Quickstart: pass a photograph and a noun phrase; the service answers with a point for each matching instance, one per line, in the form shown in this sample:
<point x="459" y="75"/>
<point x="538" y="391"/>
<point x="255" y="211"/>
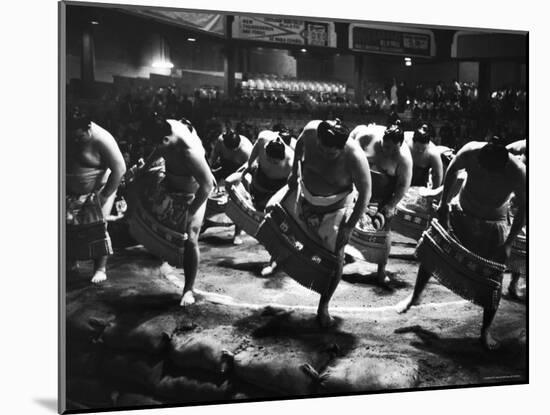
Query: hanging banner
<point x="208" y="22"/>
<point x="285" y="31"/>
<point x="390" y="40"/>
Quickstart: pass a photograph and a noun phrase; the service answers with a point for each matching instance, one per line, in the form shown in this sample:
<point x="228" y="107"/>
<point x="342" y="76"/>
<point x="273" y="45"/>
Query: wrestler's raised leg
<point x="422" y="279"/>
<point x="100" y="264"/>
<point x="323" y="317"/>
<point x="269" y="269"/>
<point x="487" y="340"/>
<point x="191" y="256"/>
<point x="237" y="236"/>
<point x="382" y="279"/>
<point x="100" y="270"/>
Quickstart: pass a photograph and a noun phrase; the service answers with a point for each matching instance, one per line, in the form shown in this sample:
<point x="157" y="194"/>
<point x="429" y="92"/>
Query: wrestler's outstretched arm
<point x="458" y="163"/>
<point x="114" y="160"/>
<point x="360" y="172"/>
<point x="201" y="172"/>
<point x="298" y="157"/>
<point x="361" y="177"/>
<point x="436" y="165"/>
<point x="216" y="152"/>
<point x="247" y="146"/>
<point x="404" y="177"/>
<point x="255" y="153"/>
<point x="519" y="191"/>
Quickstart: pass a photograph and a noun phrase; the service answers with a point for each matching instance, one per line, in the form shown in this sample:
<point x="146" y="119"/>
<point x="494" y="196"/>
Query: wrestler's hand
<point x="388" y="211"/>
<point x="344" y="235"/>
<point x="443" y="215"/>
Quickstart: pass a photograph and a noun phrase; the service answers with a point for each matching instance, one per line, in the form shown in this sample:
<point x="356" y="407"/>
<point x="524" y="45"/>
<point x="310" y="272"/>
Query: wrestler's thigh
<point x="195" y="223"/>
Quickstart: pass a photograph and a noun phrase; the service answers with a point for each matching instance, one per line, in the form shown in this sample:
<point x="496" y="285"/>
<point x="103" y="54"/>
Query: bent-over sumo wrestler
<point x="416" y="208"/>
<point x="95" y="167"/>
<point x="518" y="149"/>
<point x="270" y="165"/>
<point x="478" y="219"/>
<point x="230" y="152"/>
<point x="313" y="218"/>
<point x="168" y="204"/>
<point x="426" y="159"/>
<point x="390" y="164"/>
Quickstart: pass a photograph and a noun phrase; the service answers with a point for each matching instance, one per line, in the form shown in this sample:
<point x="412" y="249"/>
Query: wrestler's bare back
<point x="324" y="176"/>
<point x="187" y="148"/>
<point x="239" y="155"/>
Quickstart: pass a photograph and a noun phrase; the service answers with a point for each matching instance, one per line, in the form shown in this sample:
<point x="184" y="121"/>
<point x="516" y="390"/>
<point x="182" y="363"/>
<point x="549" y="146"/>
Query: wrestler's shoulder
<point x="434" y="151"/>
<point x="473" y="146"/>
<point x="358" y="131"/>
<point x="246" y="141"/>
<point x="517" y="166"/>
<point x="353" y="150"/>
<point x="312" y="125"/>
<point x="100" y="133"/>
<point x="266" y="135"/>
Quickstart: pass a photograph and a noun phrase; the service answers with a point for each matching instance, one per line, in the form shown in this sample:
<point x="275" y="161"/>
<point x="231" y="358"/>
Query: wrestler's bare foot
<point x="514" y="293"/>
<point x="324" y="319"/>
<point x="382" y="279"/>
<point x="488" y="341"/>
<point x="404" y="305"/>
<point x="270" y="269"/>
<point x="99" y="276"/>
<point x="187" y="299"/>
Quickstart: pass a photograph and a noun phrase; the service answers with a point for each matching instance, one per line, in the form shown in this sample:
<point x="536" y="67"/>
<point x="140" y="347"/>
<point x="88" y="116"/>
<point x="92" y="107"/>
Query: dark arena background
<point x="253" y="335"/>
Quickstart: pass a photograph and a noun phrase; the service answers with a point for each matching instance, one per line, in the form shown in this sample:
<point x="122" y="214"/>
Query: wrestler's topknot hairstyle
<point x="333" y="133"/>
<point x="394" y="133"/>
<point x="422" y="135"/>
<point x="284" y="133"/>
<point x="493" y="155"/>
<point x="188" y="124"/>
<point x="156" y="127"/>
<point x="231" y="139"/>
<point x="276" y="149"/>
<point x="77" y="119"/>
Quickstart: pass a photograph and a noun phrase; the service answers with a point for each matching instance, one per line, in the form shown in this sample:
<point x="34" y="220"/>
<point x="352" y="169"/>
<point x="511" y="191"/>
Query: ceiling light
<point x="163" y="65"/>
<point x="303" y="50"/>
<point x="94" y="22"/>
<point x="191" y="39"/>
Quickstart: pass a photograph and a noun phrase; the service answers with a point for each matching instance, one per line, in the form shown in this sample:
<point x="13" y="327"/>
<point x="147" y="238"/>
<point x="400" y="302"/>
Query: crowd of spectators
<point x="455" y="111"/>
<point x="456" y="107"/>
